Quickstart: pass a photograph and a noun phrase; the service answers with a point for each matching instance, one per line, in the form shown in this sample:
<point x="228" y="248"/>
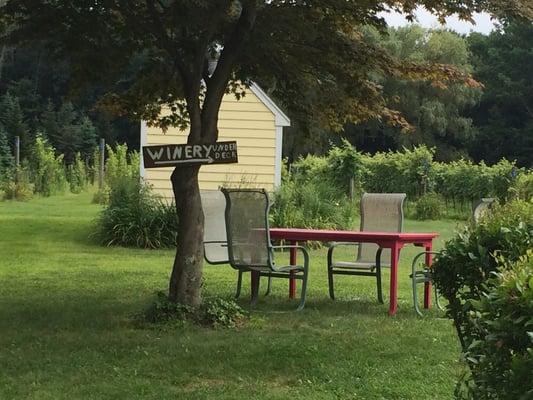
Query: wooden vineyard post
<point x="102" y="161"/>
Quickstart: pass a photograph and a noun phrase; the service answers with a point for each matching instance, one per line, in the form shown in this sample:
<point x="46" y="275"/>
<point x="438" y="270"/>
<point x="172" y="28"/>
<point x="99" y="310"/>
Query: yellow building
<point x="255" y="122"/>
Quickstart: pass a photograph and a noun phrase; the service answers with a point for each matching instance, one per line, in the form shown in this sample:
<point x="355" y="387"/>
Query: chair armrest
<point x="333" y="245"/>
<point x="301" y="248"/>
<point x="216" y="241"/>
<point x="424" y="253"/>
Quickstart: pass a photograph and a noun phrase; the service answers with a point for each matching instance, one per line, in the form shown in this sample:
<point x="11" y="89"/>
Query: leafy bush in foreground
<point x="501" y="355"/>
<point x="464" y="273"/>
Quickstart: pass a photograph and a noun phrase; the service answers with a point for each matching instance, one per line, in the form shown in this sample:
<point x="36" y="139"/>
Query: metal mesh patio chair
<point x="422" y="273"/>
<point x="215" y="242"/>
<point x="380" y="212"/>
<point x="481" y="207"/>
<point x="249" y="247"/>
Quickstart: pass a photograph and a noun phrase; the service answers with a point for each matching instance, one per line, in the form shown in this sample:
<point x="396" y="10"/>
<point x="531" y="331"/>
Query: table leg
<point x="292" y="281"/>
<point x="254" y="276"/>
<point x="395" y="255"/>
<point x="427" y="285"/>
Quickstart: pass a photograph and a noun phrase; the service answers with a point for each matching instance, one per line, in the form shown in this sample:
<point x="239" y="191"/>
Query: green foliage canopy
<point x="503" y="61"/>
<point x="167" y="45"/>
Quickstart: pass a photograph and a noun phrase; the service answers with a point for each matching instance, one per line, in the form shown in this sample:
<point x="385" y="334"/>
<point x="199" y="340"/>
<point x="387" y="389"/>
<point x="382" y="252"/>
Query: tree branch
<point x="219" y="80"/>
<point x="168" y="45"/>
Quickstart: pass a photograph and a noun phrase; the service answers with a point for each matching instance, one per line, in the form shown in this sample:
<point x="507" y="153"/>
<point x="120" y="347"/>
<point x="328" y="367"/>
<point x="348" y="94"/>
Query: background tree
<point x="40" y="80"/>
<point x="6" y="157"/>
<point x="503" y="61"/>
<point x="437" y="114"/>
<point x="292" y="47"/>
<point x="14" y="122"/>
<point x="69" y="132"/>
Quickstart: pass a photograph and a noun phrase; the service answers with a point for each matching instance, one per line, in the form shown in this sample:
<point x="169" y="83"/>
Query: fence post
<point x="102" y="161"/>
<point x="352" y="188"/>
<point x="17" y="151"/>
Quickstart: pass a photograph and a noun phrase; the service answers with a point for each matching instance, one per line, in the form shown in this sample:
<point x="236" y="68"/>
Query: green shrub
<point x="121" y="164"/>
<point x="220" y="313"/>
<point x="163" y="311"/>
<point x="468" y="259"/>
<point x="429" y="206"/>
<point x="313" y="204"/>
<point x="215" y="313"/>
<point x="7" y="161"/>
<point x="522" y="188"/>
<point x="77" y="175"/>
<point x="503" y="174"/>
<point x="500" y="356"/>
<point x="18" y="187"/>
<point x="135" y="217"/>
<point x="47" y="171"/>
<point x="308" y="168"/>
<point x="464" y="269"/>
<point x="344" y="164"/>
<point x="410" y="171"/>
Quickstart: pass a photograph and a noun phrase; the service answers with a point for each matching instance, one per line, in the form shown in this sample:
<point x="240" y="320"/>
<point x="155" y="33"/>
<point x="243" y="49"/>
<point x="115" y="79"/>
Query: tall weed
<point x="47" y="170"/>
<point x="77" y="175"/>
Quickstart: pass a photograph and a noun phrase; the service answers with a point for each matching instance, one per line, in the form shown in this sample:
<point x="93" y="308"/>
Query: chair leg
<point x="304" y="291"/>
<point x="378" y="284"/>
<point x="330" y="274"/>
<point x="269" y="287"/>
<point x="239" y="284"/>
<point x="256" y="280"/>
<point x="330" y="283"/>
<point x="414" y="282"/>
<point x="415" y="296"/>
<point x="437" y="302"/>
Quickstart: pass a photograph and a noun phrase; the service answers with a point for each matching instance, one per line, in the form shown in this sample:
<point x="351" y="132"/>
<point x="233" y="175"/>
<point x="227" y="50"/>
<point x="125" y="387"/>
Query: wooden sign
<point x="186" y="154"/>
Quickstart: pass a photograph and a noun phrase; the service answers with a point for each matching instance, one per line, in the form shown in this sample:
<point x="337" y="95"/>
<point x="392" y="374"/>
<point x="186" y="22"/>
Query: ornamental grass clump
<point x="135" y="217"/>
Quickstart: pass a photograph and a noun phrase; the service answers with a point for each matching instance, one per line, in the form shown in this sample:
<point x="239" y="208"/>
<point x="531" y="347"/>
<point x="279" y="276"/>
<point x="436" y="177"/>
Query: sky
<point x="427" y="20"/>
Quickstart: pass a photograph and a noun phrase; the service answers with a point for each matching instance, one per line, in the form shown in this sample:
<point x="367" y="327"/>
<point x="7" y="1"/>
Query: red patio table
<point x="388" y="240"/>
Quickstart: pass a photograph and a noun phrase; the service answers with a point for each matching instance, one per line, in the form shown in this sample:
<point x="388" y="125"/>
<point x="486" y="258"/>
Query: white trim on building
<point x="144" y="140"/>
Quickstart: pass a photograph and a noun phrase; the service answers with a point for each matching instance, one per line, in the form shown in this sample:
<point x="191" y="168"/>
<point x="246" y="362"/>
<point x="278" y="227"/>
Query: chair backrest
<point x="215" y="242"/>
<point x="247" y="227"/>
<point x="380" y="212"/>
<point x="481" y="207"/>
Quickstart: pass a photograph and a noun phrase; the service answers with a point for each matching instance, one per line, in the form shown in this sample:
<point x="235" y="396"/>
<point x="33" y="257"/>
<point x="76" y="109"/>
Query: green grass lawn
<point x="66" y="328"/>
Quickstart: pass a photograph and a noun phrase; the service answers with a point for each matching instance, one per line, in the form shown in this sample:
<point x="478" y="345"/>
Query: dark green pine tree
<point x="14" y="122"/>
<point x="87" y="137"/>
<point x="6" y="158"/>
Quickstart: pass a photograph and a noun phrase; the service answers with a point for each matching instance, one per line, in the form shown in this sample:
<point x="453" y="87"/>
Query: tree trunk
<point x="186" y="277"/>
<point x="2" y="55"/>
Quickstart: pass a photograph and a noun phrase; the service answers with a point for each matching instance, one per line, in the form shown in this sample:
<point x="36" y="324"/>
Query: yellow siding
<point x="252" y="125"/>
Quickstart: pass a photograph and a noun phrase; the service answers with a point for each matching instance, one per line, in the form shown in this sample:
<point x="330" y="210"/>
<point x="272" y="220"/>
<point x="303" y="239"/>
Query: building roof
<point x="281" y="118"/>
